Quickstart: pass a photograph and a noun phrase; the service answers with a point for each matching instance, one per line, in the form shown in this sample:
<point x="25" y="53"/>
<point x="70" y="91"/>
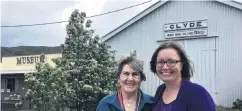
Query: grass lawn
<point x="218" y="108"/>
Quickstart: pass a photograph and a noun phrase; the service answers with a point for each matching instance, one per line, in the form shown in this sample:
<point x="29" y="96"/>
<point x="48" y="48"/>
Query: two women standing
<point x="170" y="63"/>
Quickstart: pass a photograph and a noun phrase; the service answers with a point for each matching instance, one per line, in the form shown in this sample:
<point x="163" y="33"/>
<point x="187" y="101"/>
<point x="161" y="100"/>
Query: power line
<point x="86" y="17"/>
<point x="33" y="24"/>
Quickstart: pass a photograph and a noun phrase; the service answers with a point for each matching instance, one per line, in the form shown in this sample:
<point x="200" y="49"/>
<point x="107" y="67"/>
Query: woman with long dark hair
<point x="171" y="64"/>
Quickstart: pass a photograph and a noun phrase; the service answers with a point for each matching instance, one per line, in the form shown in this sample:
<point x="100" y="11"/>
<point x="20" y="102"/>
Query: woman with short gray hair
<point x="129" y="97"/>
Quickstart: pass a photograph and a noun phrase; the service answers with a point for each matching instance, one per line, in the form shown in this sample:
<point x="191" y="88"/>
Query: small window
<point x="10" y="85"/>
<point x="3" y="85"/>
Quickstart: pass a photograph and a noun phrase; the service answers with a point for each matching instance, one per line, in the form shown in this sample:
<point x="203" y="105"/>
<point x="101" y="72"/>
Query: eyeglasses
<point x="170" y="63"/>
<point x="125" y="75"/>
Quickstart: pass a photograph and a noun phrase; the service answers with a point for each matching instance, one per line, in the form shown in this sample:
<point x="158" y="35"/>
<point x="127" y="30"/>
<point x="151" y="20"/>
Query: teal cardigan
<point x="111" y="103"/>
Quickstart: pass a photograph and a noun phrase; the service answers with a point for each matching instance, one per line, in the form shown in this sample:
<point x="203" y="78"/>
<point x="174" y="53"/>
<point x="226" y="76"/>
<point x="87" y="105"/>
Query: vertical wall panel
<point x="223" y="21"/>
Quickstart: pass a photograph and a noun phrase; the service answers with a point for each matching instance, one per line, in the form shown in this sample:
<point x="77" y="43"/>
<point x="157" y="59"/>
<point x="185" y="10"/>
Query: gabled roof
<point x="234" y="4"/>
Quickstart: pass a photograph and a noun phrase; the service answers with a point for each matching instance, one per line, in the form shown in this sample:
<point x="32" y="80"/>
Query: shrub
<point x="237" y="104"/>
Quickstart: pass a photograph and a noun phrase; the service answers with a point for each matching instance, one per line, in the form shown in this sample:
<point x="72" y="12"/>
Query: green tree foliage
<point x="85" y="71"/>
<point x="89" y="62"/>
<point x="237" y="104"/>
<point x="47" y="88"/>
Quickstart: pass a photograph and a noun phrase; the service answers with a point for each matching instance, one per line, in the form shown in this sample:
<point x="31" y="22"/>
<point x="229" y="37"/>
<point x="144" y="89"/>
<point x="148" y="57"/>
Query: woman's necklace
<point x="129" y="104"/>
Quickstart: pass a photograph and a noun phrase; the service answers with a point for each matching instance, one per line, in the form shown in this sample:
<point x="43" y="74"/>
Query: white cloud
<point x="91" y="7"/>
<point x="105" y="24"/>
<point x="42" y="11"/>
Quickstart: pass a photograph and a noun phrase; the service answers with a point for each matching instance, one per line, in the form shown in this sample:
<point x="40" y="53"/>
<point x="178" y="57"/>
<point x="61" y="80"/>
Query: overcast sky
<point x="20" y="12"/>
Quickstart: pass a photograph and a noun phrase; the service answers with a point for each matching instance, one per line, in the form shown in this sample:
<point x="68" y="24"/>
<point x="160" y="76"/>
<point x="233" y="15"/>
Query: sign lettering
<point x="187" y="33"/>
<point x="186" y="25"/>
<point x="29" y="60"/>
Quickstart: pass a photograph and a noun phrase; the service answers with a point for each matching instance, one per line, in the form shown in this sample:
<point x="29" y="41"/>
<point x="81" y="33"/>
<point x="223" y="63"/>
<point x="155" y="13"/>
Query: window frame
<point x="6" y="83"/>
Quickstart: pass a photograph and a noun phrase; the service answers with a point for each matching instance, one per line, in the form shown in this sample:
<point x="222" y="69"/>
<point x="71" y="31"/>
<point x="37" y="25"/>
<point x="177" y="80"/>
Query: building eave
<point x="109" y="35"/>
<point x="132" y="20"/>
<point x="17" y="72"/>
<point x="234" y="4"/>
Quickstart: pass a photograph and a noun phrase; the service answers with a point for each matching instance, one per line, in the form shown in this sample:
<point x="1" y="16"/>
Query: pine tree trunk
<point x="86" y="105"/>
<point x="77" y="106"/>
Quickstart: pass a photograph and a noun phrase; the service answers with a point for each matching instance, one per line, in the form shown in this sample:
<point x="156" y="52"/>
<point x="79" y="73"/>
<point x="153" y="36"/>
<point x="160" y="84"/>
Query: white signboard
<point x="186" y="33"/>
<point x="186" y="25"/>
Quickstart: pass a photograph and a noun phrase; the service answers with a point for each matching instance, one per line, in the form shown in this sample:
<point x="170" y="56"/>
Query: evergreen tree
<point x="82" y="75"/>
<point x="47" y="88"/>
<point x="88" y="61"/>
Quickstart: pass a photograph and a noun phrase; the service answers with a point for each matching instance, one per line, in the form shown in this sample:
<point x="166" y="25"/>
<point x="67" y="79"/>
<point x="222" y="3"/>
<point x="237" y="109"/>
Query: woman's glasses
<point x="170" y="63"/>
<point x="125" y="75"/>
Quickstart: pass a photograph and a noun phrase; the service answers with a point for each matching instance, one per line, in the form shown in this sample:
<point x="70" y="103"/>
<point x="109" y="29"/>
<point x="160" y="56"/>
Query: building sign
<point x="187" y="33"/>
<point x="186" y="25"/>
<point x="186" y="29"/>
<point x="29" y="60"/>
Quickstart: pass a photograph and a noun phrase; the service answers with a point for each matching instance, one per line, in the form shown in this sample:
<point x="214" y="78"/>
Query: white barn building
<point x="210" y="31"/>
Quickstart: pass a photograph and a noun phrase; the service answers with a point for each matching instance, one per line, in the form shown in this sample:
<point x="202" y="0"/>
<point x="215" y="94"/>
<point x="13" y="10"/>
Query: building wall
<point x="12" y="69"/>
<point x="10" y="63"/>
<point x="19" y="89"/>
<point x="229" y="53"/>
<point x="224" y="23"/>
